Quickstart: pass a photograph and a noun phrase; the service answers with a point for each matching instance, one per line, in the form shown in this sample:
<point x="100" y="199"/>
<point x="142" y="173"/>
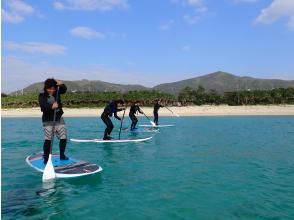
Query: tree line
<point x="200" y="96"/>
<point x="187" y="96"/>
<point x="91" y="99"/>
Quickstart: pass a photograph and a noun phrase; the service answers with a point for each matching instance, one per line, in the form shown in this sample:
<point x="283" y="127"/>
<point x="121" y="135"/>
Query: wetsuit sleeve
<point x="139" y="110"/>
<point x="44" y="105"/>
<point x="116" y="116"/>
<point x="62" y="89"/>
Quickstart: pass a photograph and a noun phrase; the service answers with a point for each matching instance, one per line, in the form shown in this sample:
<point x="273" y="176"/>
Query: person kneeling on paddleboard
<point x="133" y="111"/>
<point x="48" y="104"/>
<point x="157" y="106"/>
<point x="111" y="109"/>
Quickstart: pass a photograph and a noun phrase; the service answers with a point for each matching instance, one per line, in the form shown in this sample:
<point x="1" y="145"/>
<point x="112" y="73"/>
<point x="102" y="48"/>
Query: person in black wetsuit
<point x="157" y="106"/>
<point x="133" y="111"/>
<point x="47" y="102"/>
<point x="111" y="109"/>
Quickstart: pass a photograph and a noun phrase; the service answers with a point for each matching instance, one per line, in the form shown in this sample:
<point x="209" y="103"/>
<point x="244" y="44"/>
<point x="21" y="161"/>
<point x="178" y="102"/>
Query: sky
<point x="144" y="42"/>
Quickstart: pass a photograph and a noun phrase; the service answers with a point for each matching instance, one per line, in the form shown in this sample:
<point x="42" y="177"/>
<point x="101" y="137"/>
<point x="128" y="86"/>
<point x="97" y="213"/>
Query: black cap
<point x="49" y="83"/>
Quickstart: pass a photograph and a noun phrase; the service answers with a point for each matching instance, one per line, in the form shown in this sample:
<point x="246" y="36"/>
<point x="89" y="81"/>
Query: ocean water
<point x="204" y="168"/>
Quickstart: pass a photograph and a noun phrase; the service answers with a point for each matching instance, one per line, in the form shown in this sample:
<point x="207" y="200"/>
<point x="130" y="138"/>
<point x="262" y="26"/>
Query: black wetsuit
<point x="110" y="110"/>
<point x="157" y="106"/>
<point x="133" y="111"/>
<point x="46" y="105"/>
<point x="45" y="102"/>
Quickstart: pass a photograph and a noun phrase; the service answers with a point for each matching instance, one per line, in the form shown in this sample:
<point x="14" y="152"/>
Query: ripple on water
<point x="204" y="168"/>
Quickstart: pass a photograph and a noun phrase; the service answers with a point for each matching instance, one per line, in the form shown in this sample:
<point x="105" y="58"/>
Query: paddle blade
<point x="49" y="172"/>
<point x="153" y="124"/>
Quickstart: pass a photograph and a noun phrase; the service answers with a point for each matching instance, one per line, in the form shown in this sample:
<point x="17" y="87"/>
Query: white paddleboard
<point x="141" y="130"/>
<point x="156" y="126"/>
<point x="64" y="168"/>
<point x="110" y="141"/>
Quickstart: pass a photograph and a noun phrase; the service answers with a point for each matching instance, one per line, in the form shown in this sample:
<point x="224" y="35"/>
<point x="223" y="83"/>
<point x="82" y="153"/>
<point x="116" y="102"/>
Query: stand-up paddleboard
<point x="144" y="130"/>
<point x="156" y="126"/>
<point x="110" y="141"/>
<point x="141" y="130"/>
<point x="64" y="168"/>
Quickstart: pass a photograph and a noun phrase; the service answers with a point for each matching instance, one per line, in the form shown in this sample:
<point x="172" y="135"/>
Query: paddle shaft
<point x="121" y="123"/>
<point x="145" y="115"/>
<point x="170" y="110"/>
<point x="54" y="122"/>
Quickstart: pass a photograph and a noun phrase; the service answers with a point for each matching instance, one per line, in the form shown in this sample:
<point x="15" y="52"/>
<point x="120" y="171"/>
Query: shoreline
<point x="205" y="110"/>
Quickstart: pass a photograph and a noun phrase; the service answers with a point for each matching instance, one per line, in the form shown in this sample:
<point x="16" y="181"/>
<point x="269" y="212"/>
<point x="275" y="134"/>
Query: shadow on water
<point x="23" y="202"/>
<point x="44" y="196"/>
<point x="17" y="202"/>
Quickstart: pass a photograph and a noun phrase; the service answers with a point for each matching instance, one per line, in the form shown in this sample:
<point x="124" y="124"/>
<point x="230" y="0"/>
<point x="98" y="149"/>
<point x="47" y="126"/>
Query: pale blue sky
<point x="145" y="41"/>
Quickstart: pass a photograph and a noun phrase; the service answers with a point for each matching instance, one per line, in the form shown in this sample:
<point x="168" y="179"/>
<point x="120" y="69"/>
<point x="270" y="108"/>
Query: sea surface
<point x="204" y="168"/>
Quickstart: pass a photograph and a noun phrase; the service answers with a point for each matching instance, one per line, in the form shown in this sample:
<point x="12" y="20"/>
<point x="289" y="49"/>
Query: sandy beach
<point x="182" y="111"/>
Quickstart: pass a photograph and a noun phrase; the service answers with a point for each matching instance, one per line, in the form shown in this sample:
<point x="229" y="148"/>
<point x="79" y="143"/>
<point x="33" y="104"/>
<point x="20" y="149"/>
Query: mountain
<point x="86" y="86"/>
<point x="224" y="82"/>
<point x="218" y="81"/>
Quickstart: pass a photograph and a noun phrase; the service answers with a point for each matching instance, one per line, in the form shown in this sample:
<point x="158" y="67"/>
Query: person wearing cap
<point x="110" y="110"/>
<point x="157" y="106"/>
<point x="49" y="102"/>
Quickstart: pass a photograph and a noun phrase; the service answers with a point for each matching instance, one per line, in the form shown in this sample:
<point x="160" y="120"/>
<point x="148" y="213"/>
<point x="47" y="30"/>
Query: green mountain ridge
<point x="219" y="81"/>
<point x="85" y="86"/>
<point x="225" y="82"/>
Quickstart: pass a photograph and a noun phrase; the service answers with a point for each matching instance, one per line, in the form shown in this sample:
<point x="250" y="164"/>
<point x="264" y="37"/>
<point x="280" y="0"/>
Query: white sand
<point x="182" y="111"/>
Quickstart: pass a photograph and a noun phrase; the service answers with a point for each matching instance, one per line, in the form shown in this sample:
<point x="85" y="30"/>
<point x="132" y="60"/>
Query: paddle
<point x="121" y="123"/>
<point x="172" y="111"/>
<point x="49" y="172"/>
<point x="153" y="124"/>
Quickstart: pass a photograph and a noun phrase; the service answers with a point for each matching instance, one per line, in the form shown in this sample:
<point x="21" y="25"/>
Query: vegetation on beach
<point x="89" y="99"/>
<point x="200" y="96"/>
<point x="187" y="96"/>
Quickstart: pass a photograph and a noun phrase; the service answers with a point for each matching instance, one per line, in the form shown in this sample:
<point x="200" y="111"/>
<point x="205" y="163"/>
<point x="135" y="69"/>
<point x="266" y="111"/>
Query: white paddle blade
<point x="49" y="172"/>
<point x="153" y="124"/>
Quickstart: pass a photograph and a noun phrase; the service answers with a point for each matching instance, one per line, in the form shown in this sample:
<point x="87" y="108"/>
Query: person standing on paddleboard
<point x="157" y="106"/>
<point x="111" y="109"/>
<point x="48" y="103"/>
<point x="133" y="111"/>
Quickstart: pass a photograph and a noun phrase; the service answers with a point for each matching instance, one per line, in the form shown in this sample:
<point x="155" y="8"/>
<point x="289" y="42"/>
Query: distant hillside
<point x="223" y="82"/>
<point x="86" y="86"/>
<point x="218" y="81"/>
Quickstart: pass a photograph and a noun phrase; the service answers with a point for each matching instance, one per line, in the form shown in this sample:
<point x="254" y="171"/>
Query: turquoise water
<point x="204" y="168"/>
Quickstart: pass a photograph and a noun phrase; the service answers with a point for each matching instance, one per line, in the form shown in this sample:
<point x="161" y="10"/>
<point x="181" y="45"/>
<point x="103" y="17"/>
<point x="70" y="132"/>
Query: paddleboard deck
<point x="110" y="141"/>
<point x="64" y="168"/>
<point x="156" y="126"/>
